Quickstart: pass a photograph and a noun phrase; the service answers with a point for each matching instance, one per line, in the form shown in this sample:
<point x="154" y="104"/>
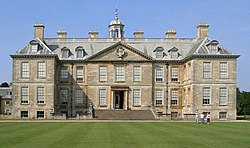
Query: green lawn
<point x="124" y="134"/>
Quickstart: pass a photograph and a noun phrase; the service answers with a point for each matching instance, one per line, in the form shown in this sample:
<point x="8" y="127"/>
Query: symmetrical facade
<point x="172" y="76"/>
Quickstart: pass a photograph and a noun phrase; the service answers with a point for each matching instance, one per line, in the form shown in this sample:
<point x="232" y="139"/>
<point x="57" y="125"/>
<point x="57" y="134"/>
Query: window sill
<point x="136" y="105"/>
<point x="206" y="104"/>
<point x="223" y="105"/>
<point x="159" y="105"/>
<point x="120" y="81"/>
<point x="102" y="105"/>
<point x="41" y="77"/>
<point x="25" y="104"/>
<point x="41" y="104"/>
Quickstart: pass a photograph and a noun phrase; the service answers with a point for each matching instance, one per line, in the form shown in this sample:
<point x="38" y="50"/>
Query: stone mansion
<point x="169" y="76"/>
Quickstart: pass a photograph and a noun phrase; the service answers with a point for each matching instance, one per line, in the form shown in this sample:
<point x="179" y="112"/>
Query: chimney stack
<point x="39" y="31"/>
<point x="202" y="30"/>
<point x="138" y="34"/>
<point x="171" y="34"/>
<point x="61" y="34"/>
<point x="93" y="35"/>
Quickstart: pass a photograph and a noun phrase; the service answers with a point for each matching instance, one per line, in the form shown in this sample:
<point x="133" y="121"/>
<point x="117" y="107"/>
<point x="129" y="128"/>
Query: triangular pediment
<point x="120" y="52"/>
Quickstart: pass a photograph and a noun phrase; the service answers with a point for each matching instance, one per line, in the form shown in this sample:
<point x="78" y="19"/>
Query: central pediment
<point x="120" y="52"/>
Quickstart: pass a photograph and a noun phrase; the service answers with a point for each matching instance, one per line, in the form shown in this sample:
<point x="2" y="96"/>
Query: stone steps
<point x="124" y="115"/>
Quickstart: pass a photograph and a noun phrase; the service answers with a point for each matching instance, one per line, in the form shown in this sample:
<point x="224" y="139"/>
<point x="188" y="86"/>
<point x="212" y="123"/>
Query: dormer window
<point x="34" y="48"/>
<point x="65" y="52"/>
<point x="159" y="52"/>
<point x="174" y="52"/>
<point x="213" y="46"/>
<point x="80" y="52"/>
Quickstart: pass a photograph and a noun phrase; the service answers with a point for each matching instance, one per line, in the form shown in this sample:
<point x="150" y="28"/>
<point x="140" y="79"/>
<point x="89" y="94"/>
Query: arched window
<point x="80" y="52"/>
<point x="65" y="52"/>
<point x="159" y="52"/>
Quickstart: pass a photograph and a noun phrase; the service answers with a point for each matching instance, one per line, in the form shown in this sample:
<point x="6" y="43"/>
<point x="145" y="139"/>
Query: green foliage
<point x="124" y="134"/>
<point x="243" y="102"/>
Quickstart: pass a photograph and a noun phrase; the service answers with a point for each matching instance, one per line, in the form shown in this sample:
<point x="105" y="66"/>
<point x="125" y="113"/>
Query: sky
<point x="228" y="19"/>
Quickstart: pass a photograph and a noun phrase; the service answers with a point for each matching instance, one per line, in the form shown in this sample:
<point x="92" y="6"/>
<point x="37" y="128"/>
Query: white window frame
<point x="80" y="53"/>
<point x="174" y="97"/>
<point x="137" y="97"/>
<point x="102" y="97"/>
<point x="39" y="115"/>
<point x="103" y="73"/>
<point x="137" y="73"/>
<point x="223" y="96"/>
<point x="222" y="115"/>
<point x="41" y="69"/>
<point x="207" y="68"/>
<point x="40" y="95"/>
<point x="64" y="73"/>
<point x="25" y="70"/>
<point x="159" y="53"/>
<point x="174" y="74"/>
<point x="21" y="115"/>
<point x="34" y="48"/>
<point x="174" y="54"/>
<point x="24" y="95"/>
<point x="158" y="97"/>
<point x="64" y="96"/>
<point x="65" y="53"/>
<point x="120" y="73"/>
<point x="79" y="96"/>
<point x="223" y="70"/>
<point x="79" y="73"/>
<point x="206" y="93"/>
<point x="159" y="74"/>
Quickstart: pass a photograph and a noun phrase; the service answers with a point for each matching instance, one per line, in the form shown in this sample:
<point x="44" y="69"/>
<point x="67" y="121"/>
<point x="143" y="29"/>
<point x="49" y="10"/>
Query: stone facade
<point x="173" y="77"/>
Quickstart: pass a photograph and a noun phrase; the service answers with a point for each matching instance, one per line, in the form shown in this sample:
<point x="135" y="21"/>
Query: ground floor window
<point x="40" y="114"/>
<point x="102" y="97"/>
<point x="137" y="97"/>
<point x="158" y="97"/>
<point x="24" y="114"/>
<point x="174" y="115"/>
<point x="223" y="115"/>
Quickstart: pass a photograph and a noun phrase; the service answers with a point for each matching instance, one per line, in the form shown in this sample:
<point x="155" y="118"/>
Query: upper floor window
<point x="137" y="73"/>
<point x="158" y="97"/>
<point x="40" y="95"/>
<point x="24" y="95"/>
<point x="223" y="96"/>
<point x="64" y="73"/>
<point x="174" y="52"/>
<point x="159" y="74"/>
<point x="137" y="97"/>
<point x="120" y="73"/>
<point x="213" y="45"/>
<point x="174" y="97"/>
<point x="65" y="52"/>
<point x="25" y="70"/>
<point x="41" y="70"/>
<point x="174" y="74"/>
<point x="206" y="69"/>
<point x="102" y="73"/>
<point x="64" y="96"/>
<point x="223" y="70"/>
<point x="80" y="52"/>
<point x="34" y="48"/>
<point x="79" y="73"/>
<point x="206" y="95"/>
<point x="79" y="96"/>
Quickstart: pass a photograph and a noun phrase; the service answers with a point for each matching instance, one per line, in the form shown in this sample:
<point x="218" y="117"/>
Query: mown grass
<point x="124" y="134"/>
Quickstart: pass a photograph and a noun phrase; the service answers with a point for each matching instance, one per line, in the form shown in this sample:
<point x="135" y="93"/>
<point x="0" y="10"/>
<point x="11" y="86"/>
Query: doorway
<point x="119" y="99"/>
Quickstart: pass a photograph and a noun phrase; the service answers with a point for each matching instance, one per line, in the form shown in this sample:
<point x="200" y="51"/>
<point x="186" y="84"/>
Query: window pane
<point x="25" y="70"/>
<point x="40" y="114"/>
<point x="158" y="74"/>
<point x="102" y="97"/>
<point x="40" y="95"/>
<point x="64" y="96"/>
<point x="102" y="73"/>
<point x="79" y="73"/>
<point x="41" y="69"/>
<point x="159" y="97"/>
<point x="24" y="114"/>
<point x="206" y="95"/>
<point x="137" y="73"/>
<point x="120" y="74"/>
<point x="206" y="70"/>
<point x="64" y="73"/>
<point x="223" y="70"/>
<point x="174" y="74"/>
<point x="223" y="96"/>
<point x="24" y="95"/>
<point x="137" y="96"/>
<point x="65" y="53"/>
<point x="223" y="115"/>
<point x="174" y="97"/>
<point x="79" y="96"/>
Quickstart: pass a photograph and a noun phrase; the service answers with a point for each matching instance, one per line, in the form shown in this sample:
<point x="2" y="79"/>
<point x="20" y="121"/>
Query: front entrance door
<point x="119" y="99"/>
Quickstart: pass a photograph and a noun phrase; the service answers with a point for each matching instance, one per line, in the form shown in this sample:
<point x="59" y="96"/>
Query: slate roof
<point x="147" y="46"/>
